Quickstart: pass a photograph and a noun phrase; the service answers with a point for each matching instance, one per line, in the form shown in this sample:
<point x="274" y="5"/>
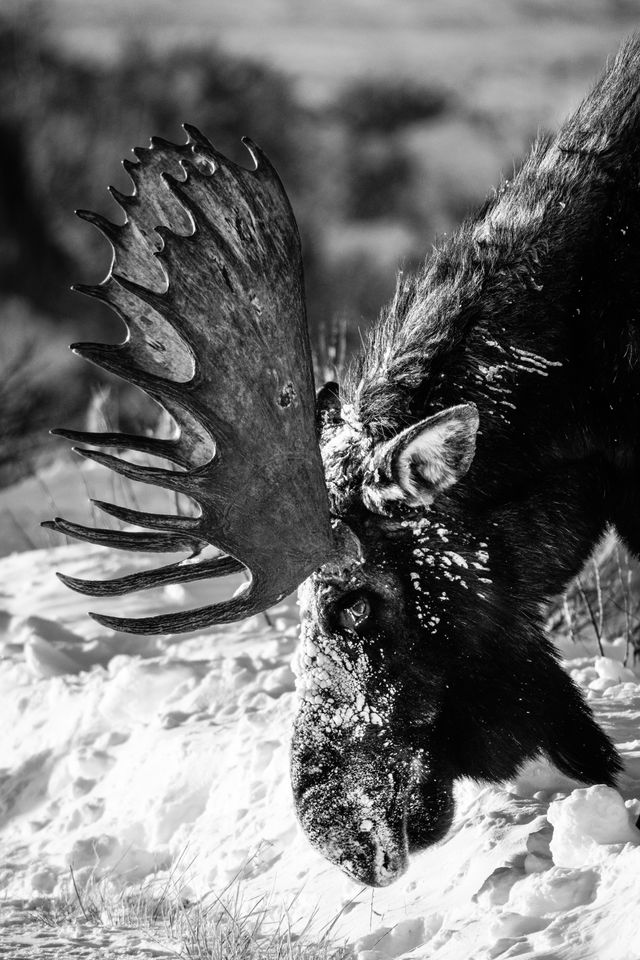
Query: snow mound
<point x="388" y="943"/>
<point x="588" y="821"/>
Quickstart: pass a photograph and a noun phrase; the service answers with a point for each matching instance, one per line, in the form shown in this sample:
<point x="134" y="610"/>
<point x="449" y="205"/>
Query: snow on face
<point x="333" y="672"/>
<point x="343" y="750"/>
<point x="364" y="756"/>
<point x="502" y="367"/>
<point x="345" y="451"/>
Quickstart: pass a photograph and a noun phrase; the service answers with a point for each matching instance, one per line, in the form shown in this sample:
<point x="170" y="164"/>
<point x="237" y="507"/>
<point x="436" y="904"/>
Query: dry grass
<point x="603" y="602"/>
<point x="218" y="927"/>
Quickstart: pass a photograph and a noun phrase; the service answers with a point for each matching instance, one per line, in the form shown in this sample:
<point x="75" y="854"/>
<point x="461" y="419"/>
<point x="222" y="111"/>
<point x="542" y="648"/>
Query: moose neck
<point x="525" y="312"/>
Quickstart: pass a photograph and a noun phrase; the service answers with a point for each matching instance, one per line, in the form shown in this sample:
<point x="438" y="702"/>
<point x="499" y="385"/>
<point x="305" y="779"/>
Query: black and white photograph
<point x="320" y="479"/>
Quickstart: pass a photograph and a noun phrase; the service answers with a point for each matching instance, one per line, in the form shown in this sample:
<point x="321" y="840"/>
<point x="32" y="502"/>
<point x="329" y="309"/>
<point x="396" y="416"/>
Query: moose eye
<point x="354" y="615"/>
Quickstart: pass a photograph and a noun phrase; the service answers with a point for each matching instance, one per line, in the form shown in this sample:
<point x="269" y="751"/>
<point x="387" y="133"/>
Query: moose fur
<point x="478" y="449"/>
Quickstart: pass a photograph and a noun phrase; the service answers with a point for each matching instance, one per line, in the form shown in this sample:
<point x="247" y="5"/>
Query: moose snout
<point x="389" y="856"/>
<point x="370" y="847"/>
<point x="392" y="867"/>
<point x="351" y="802"/>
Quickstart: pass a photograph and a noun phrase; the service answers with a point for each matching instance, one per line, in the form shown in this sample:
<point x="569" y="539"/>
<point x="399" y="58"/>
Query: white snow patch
<point x="586" y="823"/>
<point x="132" y="758"/>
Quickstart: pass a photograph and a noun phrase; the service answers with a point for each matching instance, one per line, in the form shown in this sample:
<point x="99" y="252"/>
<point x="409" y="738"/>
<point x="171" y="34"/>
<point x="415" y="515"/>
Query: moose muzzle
<point x="353" y="795"/>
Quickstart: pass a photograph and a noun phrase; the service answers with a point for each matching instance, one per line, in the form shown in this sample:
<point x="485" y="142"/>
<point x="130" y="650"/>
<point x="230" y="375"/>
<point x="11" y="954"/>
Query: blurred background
<point x="387" y="120"/>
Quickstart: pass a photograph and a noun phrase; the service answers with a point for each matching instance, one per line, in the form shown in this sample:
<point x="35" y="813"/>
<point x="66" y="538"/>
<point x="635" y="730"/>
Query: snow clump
<point x="586" y="823"/>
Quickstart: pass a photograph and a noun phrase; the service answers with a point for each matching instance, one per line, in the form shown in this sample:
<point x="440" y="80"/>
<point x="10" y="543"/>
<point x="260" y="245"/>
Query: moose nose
<point x="389" y="851"/>
<point x="392" y="865"/>
<point x="374" y="863"/>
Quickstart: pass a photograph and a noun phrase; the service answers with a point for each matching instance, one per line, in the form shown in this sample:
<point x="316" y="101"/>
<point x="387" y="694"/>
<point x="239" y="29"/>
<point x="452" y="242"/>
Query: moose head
<point x="422" y="657"/>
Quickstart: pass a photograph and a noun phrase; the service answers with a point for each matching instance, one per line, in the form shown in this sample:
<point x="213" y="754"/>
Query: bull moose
<point x="457" y="478"/>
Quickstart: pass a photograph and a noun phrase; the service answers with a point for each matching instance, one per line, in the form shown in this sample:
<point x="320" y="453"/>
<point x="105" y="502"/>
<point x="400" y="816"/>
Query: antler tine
<point x="124" y="200"/>
<point x="167" y="449"/>
<point x="110" y="230"/>
<point x="141" y="153"/>
<point x="241" y="606"/>
<point x="147" y="579"/>
<point x="99" y="291"/>
<point x="196" y="137"/>
<point x="150" y="297"/>
<point x="207" y="275"/>
<point x="163" y="144"/>
<point x="131" y="167"/>
<point x="200" y="146"/>
<point x="116" y="359"/>
<point x="259" y="157"/>
<point x="154" y="521"/>
<point x="123" y="539"/>
<point x="169" y="479"/>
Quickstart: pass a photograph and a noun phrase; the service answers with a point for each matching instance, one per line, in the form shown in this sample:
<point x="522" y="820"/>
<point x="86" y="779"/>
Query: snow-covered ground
<point x="133" y="758"/>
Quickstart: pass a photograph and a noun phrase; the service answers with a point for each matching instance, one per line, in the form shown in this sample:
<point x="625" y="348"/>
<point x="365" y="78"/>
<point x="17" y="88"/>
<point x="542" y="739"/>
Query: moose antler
<point x="207" y="276"/>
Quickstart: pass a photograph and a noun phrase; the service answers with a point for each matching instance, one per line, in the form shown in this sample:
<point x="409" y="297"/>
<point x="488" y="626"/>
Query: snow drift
<point x="133" y="759"/>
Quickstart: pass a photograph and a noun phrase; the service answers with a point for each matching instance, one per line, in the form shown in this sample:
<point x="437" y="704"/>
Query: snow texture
<point x="130" y="758"/>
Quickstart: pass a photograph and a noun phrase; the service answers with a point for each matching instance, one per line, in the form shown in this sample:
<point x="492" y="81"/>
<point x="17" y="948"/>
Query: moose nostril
<point x="391" y="865"/>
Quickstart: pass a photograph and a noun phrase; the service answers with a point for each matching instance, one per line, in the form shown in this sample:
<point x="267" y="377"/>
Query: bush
<point x="383" y="105"/>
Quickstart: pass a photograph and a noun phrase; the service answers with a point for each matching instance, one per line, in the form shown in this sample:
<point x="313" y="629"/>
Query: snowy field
<point x="165" y="761"/>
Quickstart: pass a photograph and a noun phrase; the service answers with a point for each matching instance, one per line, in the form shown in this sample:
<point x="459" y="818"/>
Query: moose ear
<point x="426" y="458"/>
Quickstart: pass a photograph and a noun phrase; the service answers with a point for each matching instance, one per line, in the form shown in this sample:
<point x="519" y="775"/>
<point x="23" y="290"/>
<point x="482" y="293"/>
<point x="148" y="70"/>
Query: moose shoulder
<point x="458" y="477"/>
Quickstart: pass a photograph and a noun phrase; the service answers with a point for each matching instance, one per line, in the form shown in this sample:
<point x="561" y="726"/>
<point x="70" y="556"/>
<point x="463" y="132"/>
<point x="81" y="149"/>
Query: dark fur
<point x="530" y="311"/>
<point x="565" y="286"/>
